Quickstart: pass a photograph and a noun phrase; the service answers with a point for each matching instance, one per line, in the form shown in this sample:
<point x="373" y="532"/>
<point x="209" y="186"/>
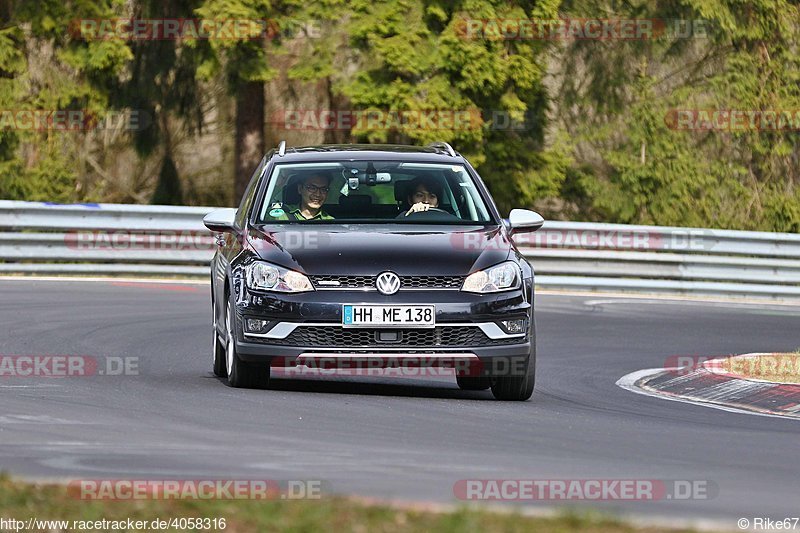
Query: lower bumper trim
<point x="281" y="330"/>
<point x="384" y="355"/>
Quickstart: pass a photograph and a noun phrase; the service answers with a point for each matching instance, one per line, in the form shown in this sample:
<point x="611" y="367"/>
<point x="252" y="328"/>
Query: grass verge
<point x="22" y="501"/>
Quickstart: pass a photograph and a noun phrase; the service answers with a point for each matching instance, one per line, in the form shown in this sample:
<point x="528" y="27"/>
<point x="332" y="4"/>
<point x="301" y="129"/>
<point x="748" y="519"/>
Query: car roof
<point x="438" y="153"/>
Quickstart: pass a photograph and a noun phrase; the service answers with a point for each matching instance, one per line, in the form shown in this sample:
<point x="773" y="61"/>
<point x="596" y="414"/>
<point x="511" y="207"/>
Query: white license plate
<point x="387" y="316"/>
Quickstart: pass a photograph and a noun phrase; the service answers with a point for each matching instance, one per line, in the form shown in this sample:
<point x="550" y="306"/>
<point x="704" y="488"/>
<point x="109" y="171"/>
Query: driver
<point x="313" y="191"/>
<point x="424" y="195"/>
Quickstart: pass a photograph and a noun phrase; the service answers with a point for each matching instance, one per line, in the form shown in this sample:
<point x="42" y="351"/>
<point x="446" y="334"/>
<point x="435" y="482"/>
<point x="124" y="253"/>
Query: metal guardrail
<point x="106" y="239"/>
<point x="110" y="239"/>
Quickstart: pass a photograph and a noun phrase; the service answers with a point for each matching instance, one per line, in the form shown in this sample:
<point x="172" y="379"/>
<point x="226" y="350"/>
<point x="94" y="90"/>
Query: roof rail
<point x="282" y="148"/>
<point x="444" y="146"/>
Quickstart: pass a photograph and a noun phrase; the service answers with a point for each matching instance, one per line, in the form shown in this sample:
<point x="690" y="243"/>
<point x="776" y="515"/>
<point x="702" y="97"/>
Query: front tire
<point x="220" y="369"/>
<point x="518" y="388"/>
<point x="241" y="375"/>
<point x="515" y="388"/>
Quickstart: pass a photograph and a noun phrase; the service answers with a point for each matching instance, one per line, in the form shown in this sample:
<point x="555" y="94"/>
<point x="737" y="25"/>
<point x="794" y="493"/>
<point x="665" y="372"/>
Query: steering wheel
<point x="431" y="211"/>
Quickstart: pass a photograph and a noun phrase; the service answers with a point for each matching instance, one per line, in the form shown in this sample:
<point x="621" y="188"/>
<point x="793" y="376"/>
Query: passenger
<point x="313" y="192"/>
<point x="425" y="194"/>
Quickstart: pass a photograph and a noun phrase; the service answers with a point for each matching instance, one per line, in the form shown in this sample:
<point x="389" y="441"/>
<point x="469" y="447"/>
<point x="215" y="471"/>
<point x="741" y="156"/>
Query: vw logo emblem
<point x="387" y="283"/>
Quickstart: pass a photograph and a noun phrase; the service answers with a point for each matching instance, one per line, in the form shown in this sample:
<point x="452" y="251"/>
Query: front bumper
<point x="293" y="316"/>
<point x="466" y="361"/>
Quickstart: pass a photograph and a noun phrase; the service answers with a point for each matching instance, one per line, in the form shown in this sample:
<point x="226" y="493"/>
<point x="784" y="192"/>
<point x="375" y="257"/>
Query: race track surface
<point x="392" y="438"/>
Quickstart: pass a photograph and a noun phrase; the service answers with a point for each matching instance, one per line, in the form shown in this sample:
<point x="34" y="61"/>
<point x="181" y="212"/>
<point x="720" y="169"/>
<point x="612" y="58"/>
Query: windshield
<point x="372" y="192"/>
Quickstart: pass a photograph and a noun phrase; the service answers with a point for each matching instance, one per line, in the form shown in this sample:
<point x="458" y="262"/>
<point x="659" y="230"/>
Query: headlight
<point x="263" y="276"/>
<point x="502" y="277"/>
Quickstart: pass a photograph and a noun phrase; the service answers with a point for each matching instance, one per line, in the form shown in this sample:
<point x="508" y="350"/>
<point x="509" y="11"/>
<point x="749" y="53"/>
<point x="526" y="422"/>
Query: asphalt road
<point x="391" y="438"/>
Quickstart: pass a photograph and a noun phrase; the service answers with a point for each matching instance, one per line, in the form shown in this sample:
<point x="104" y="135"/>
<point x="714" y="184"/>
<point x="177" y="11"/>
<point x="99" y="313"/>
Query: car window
<point x="372" y="192"/>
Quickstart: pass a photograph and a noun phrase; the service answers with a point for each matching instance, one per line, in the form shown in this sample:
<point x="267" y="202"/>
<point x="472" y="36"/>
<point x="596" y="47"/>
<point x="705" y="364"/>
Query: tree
<point x="161" y="82"/>
<point x="12" y="65"/>
<point x="619" y="101"/>
<point x="44" y="68"/>
<point x="244" y="64"/>
<point x="399" y="60"/>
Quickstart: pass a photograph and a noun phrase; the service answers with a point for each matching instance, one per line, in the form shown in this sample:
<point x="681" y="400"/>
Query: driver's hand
<point x="417" y="207"/>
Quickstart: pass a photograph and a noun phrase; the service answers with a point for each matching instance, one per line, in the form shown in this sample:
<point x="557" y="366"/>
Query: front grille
<point x="368" y="282"/>
<point x="343" y="282"/>
<point x="430" y="282"/>
<point x="440" y="336"/>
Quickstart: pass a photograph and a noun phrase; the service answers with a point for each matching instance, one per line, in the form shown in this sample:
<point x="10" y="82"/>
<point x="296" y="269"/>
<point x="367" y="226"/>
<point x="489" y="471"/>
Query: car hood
<point x="368" y="250"/>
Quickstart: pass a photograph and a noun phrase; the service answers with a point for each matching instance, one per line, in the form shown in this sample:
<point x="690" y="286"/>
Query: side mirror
<point x="221" y="220"/>
<point x="524" y="220"/>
